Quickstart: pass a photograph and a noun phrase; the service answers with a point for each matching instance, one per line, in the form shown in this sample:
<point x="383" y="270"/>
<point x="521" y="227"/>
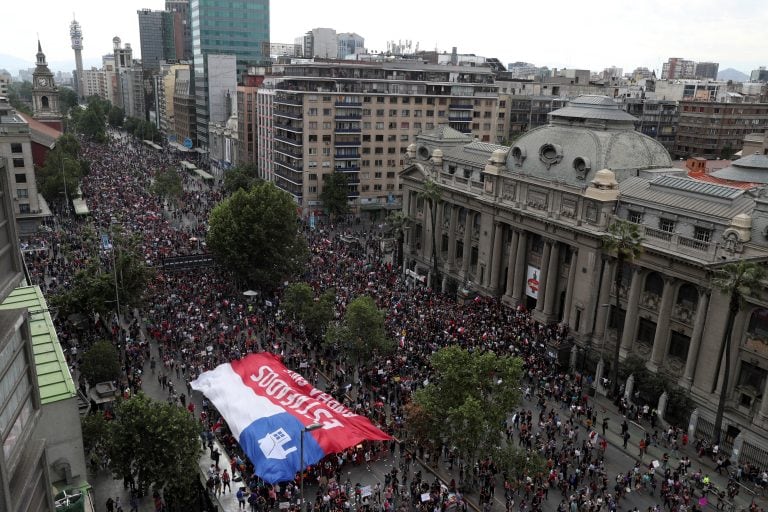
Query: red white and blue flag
<point x="267" y="407"/>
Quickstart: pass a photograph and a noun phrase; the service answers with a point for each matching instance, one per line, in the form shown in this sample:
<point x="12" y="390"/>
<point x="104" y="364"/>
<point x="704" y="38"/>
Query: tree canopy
<point x="168" y="185"/>
<point x="334" y="194"/>
<point x="115" y="117"/>
<point x="155" y="443"/>
<point x="466" y="401"/>
<point x="240" y="177"/>
<point x="255" y="234"/>
<point x="314" y="313"/>
<point x="100" y="363"/>
<point x="361" y="333"/>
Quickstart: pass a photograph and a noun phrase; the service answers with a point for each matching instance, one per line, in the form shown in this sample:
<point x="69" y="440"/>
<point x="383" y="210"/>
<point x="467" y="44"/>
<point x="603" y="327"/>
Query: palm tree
<point x="736" y="280"/>
<point x="432" y="193"/>
<point x="626" y="244"/>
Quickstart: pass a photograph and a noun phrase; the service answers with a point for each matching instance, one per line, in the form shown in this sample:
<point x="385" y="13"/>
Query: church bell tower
<point x="45" y="94"/>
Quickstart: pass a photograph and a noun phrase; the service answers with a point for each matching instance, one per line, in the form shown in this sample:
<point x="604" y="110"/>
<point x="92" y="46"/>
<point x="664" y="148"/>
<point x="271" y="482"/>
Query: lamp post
<point x="308" y="428"/>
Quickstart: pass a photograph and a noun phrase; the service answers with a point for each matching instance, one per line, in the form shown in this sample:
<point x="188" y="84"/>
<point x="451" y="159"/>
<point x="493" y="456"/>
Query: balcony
<point x="288" y="176"/>
<point x="349" y="104"/>
<point x="456" y="119"/>
<point x="346" y="156"/>
<point x="288" y="151"/>
<point x="347" y="130"/>
<point x="289" y="127"/>
<point x="348" y="143"/>
<point x="287" y="101"/>
<point x="461" y="106"/>
<point x="287" y="140"/>
<point x="345" y="116"/>
<point x="288" y="114"/>
<point x="665" y="236"/>
<point x="692" y="243"/>
<point x="292" y="166"/>
<point x="348" y="168"/>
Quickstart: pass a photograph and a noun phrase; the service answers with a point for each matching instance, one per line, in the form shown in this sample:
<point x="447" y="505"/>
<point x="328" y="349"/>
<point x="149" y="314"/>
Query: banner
<point x="267" y="407"/>
<point x="532" y="282"/>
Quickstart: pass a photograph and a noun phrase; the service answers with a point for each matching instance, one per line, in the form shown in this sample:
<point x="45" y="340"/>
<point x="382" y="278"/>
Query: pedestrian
<point x="625" y="437"/>
<point x="110" y="504"/>
<point x="605" y="424"/>
<point x="240" y="498"/>
<point x="225" y="481"/>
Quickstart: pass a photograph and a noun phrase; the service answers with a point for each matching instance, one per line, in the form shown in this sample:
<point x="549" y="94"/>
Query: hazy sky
<point x="590" y="34"/>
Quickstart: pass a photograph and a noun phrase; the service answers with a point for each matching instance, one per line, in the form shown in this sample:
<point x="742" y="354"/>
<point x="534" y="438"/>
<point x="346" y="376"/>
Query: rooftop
<point x="53" y="375"/>
<point x="593" y="107"/>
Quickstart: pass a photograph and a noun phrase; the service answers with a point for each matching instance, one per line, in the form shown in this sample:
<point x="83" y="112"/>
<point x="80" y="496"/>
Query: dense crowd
<point x="199" y="323"/>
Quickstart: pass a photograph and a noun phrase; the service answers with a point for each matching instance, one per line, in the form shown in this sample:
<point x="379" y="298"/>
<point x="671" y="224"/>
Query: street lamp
<point x="308" y="428"/>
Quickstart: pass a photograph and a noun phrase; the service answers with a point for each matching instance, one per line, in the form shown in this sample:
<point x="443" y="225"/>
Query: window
<point x="678" y="345"/>
<point x="327" y="138"/>
<point x="702" y="234"/>
<point x="327" y="125"/>
<point x="405" y="112"/>
<point x="380" y="112"/>
<point x="312" y="177"/>
<point x="311" y="151"/>
<point x="312" y="112"/>
<point x="21" y="178"/>
<point x="404" y="137"/>
<point x="365" y="163"/>
<point x="378" y="151"/>
<point x="326" y="151"/>
<point x="16" y="147"/>
<point x="391" y="150"/>
<point x="313" y="138"/>
<point x="393" y="112"/>
<point x="18" y="162"/>
<point x="326" y="112"/>
<point x="380" y="99"/>
<point x="391" y="138"/>
<point x="646" y="330"/>
<point x="313" y="189"/>
<point x="311" y="164"/>
<point x="667" y="225"/>
<point x="635" y="216"/>
<point x="378" y="163"/>
<point x="24" y="208"/>
<point x="22" y="193"/>
<point x="379" y="126"/>
<point x="377" y="187"/>
<point x="379" y="138"/>
<point x="377" y="175"/>
<point x="390" y="175"/>
<point x="366" y="111"/>
<point x="313" y="125"/>
<point x="366" y="125"/>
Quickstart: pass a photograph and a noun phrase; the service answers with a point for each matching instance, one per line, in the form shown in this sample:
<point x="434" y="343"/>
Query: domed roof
<point x="592" y="133"/>
<point x="751" y="169"/>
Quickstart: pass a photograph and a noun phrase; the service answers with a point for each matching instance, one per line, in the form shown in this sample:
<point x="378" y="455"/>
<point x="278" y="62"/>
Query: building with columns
<point x="526" y="224"/>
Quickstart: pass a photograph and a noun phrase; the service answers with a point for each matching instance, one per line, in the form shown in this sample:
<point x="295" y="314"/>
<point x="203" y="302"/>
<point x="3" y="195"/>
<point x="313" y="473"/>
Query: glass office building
<point x="239" y="28"/>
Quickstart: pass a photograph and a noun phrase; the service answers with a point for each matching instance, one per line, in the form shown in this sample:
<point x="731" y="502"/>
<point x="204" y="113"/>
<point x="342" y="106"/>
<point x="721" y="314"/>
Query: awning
<point x="188" y="165"/>
<point x="178" y="147"/>
<point x="204" y="175"/>
<point x="80" y="206"/>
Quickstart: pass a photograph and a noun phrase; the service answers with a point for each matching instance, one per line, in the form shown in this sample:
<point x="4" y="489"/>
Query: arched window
<point x="654" y="284"/>
<point x="44" y="101"/>
<point x="758" y="323"/>
<point x="687" y="296"/>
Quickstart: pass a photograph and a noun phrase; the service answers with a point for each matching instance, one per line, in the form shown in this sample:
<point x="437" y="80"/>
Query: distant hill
<point x="732" y="74"/>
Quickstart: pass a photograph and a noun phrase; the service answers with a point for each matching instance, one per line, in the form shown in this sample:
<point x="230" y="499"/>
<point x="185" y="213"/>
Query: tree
<point x="167" y="185"/>
<point x="67" y="99"/>
<point x="240" y="177"/>
<point x="737" y="280"/>
<point x="361" y="334"/>
<point x="398" y="222"/>
<point x="314" y="313"/>
<point x="100" y="363"/>
<point x="431" y="193"/>
<point x="625" y="243"/>
<point x="59" y="177"/>
<point x="334" y="194"/>
<point x="255" y="234"/>
<point x="155" y="444"/>
<point x="95" y="431"/>
<point x="467" y="399"/>
<point x="115" y="117"/>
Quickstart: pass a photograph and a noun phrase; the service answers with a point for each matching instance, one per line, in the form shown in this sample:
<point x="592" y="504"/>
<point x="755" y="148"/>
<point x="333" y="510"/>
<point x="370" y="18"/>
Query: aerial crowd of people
<point x="198" y="323"/>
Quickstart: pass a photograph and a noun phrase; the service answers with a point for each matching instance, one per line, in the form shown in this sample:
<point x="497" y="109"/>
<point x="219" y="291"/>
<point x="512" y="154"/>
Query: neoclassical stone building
<point x="526" y="223"/>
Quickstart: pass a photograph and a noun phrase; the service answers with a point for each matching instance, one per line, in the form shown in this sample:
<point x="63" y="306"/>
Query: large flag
<point x="267" y="407"/>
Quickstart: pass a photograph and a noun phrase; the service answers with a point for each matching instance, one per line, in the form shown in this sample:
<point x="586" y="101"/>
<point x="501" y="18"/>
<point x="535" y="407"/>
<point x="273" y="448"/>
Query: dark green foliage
<point x="334" y="194"/>
<point x="100" y="363"/>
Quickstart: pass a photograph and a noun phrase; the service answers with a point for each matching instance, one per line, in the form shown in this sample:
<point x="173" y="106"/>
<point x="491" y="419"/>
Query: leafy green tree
<point x="361" y="334"/>
<point x="91" y="124"/>
<point x="240" y="177"/>
<point x="432" y="193"/>
<point x="466" y="401"/>
<point x="168" y="185"/>
<point x="301" y="305"/>
<point x="334" y="194"/>
<point x="95" y="431"/>
<point x="100" y="363"/>
<point x="737" y="280"/>
<point x="155" y="444"/>
<point x="67" y="99"/>
<point x="255" y="234"/>
<point x="59" y="177"/>
<point x="624" y="242"/>
<point x="20" y="96"/>
<point x="115" y="117"/>
<point x="514" y="461"/>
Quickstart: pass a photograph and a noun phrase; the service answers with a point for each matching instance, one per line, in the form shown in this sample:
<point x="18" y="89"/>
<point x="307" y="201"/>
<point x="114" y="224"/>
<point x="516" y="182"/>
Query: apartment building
<point x="717" y="129"/>
<point x="358" y="118"/>
<point x="656" y="118"/>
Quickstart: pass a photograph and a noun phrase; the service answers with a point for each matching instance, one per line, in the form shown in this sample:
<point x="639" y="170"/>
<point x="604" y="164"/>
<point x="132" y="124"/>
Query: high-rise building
<point x="76" y="35"/>
<point x="182" y="28"/>
<point x="707" y="70"/>
<point x="156" y="38"/>
<point x="349" y="43"/>
<point x="677" y="68"/>
<point x="358" y="119"/>
<point x="184" y="122"/>
<point x="231" y="28"/>
<point x="5" y="80"/>
<point x="759" y="75"/>
<point x="320" y="43"/>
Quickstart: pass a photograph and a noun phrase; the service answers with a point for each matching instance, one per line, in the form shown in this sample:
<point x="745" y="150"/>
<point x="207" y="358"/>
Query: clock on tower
<point x="45" y="94"/>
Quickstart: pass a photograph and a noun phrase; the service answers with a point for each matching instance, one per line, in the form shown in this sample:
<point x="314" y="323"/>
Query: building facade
<point x="182" y="28"/>
<point x="45" y="94"/>
<point x="707" y="70"/>
<point x="676" y="68"/>
<point x="265" y="133"/>
<point x="220" y="28"/>
<point x="156" y="38"/>
<point x="657" y="119"/>
<point x="184" y="107"/>
<point x="716" y="129"/>
<point x="349" y="43"/>
<point x="526" y="224"/>
<point x="358" y="119"/>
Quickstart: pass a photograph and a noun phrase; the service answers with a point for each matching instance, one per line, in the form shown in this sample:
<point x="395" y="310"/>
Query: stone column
<point x="498" y="243"/>
<point x="763" y="412"/>
<point x="452" y="238"/>
<point x="467" y="254"/>
<point x="511" y="263"/>
<point x="661" y="337"/>
<point x="543" y="276"/>
<point x="698" y="331"/>
<point x="570" y="285"/>
<point x="630" y="320"/>
<point x="553" y="279"/>
<point x="603" y="297"/>
<point x="518" y="291"/>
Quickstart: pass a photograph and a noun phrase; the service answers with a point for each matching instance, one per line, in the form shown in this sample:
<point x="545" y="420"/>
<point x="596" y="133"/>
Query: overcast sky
<point x="592" y="34"/>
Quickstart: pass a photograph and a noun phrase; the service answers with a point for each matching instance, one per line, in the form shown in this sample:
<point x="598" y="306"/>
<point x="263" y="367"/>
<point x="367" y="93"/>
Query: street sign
<point x="188" y="143"/>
